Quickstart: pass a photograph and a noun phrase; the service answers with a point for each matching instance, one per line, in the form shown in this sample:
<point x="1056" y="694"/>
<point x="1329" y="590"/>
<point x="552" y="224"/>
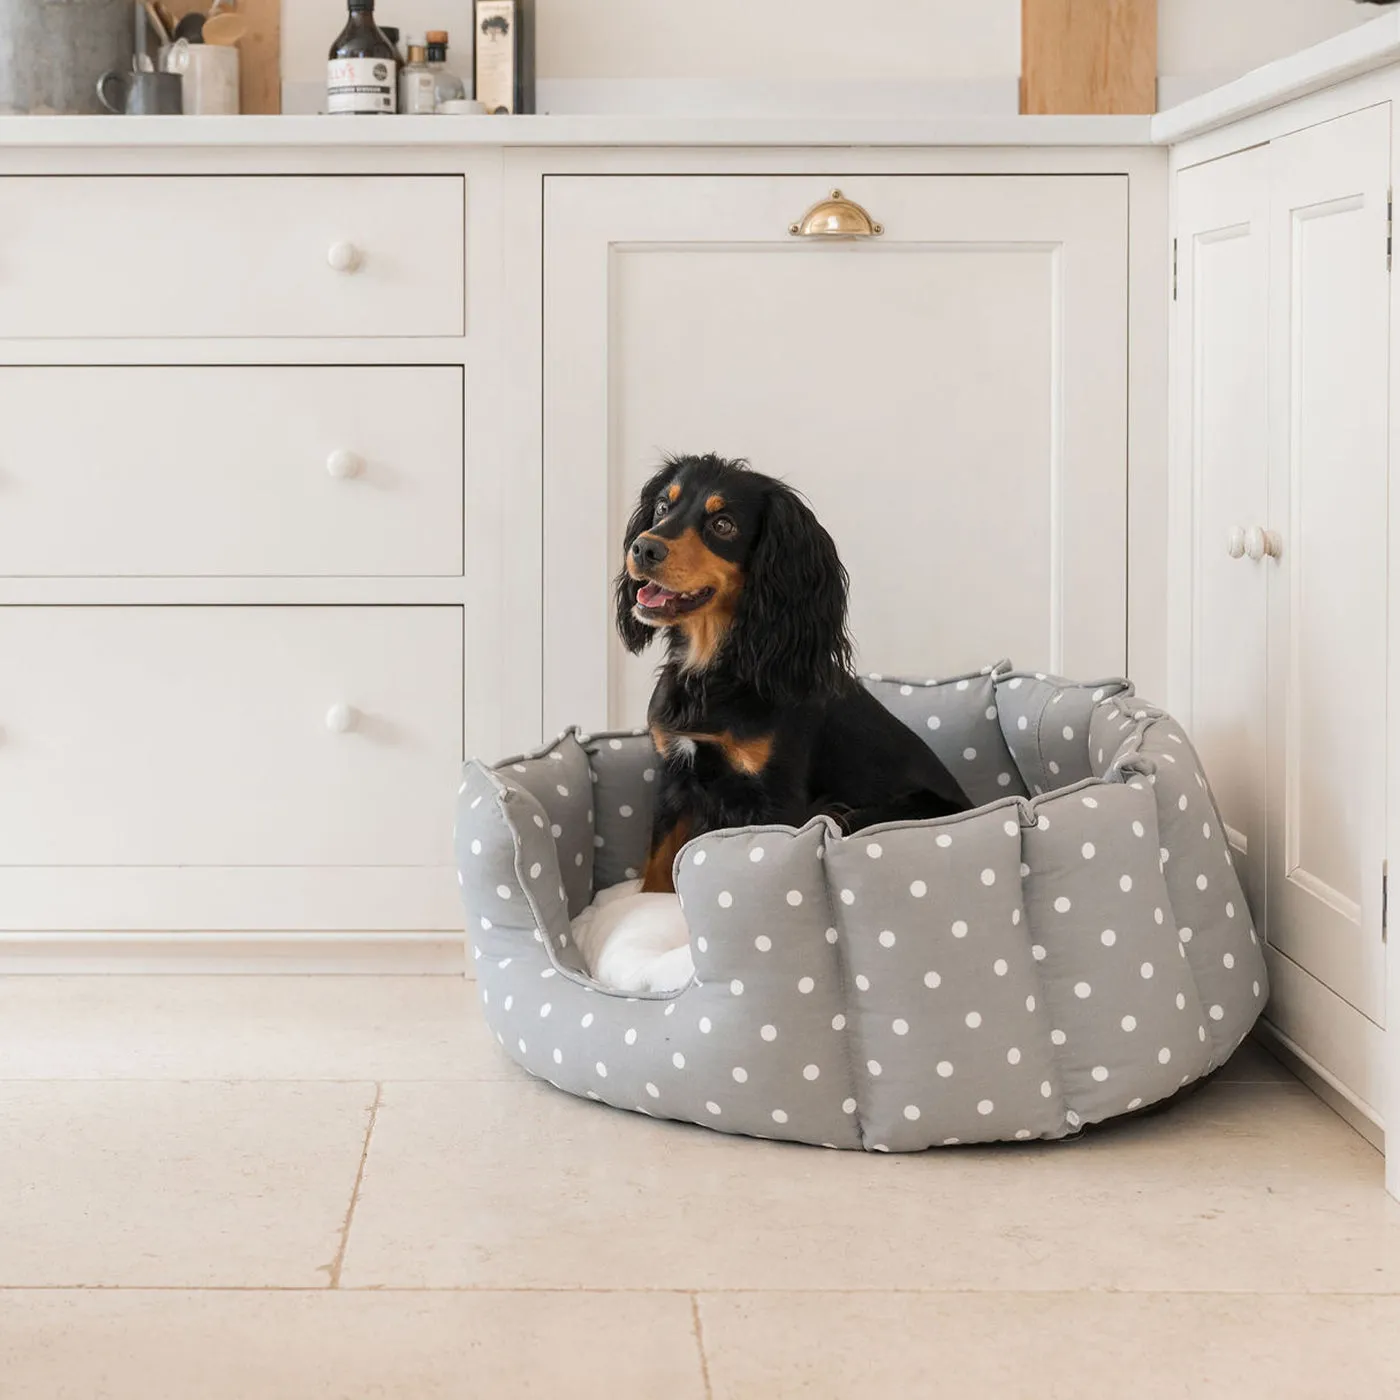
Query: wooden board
<point x="260" y="57"/>
<point x="1088" y="56"/>
<point x="259" y="52"/>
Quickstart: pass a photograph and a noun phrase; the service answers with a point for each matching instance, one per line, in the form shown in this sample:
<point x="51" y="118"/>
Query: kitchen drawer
<point x="233" y="470"/>
<point x="195" y="255"/>
<point x="236" y="736"/>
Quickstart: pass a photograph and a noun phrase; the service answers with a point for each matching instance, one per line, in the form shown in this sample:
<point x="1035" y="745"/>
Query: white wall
<point x="908" y="44"/>
<point x="782" y="39"/>
<point x="1201" y="43"/>
<point x="833" y="39"/>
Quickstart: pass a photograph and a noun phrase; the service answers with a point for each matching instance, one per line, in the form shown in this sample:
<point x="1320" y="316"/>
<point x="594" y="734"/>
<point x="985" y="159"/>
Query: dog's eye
<point x="661" y="508"/>
<point x="724" y="527"/>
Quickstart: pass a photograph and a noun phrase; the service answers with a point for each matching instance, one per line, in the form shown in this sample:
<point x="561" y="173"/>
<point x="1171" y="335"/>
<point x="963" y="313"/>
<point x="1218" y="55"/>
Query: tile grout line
<point x="381" y="1290"/>
<point x="338" y="1263"/>
<point x="699" y="1330"/>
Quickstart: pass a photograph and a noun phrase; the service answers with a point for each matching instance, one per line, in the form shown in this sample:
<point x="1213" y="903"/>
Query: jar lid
<point x="437" y="36"/>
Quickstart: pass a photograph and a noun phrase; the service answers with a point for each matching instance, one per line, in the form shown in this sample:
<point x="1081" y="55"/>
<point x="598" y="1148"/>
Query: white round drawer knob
<point x="1234" y="545"/>
<point x="1258" y="542"/>
<point x="340" y="718"/>
<point x="343" y="464"/>
<point x="343" y="257"/>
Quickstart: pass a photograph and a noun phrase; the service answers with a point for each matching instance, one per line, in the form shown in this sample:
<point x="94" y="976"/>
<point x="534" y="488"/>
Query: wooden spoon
<point x="224" y="29"/>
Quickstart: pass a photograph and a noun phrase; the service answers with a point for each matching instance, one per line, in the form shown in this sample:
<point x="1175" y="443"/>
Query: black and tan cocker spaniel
<point x="757" y="714"/>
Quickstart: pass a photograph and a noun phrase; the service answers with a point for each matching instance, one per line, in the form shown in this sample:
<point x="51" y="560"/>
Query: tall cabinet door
<point x="1220" y="388"/>
<point x="1328" y="416"/>
<point x="950" y="395"/>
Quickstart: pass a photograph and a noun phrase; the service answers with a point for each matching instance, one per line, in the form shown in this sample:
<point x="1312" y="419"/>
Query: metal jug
<point x="53" y="51"/>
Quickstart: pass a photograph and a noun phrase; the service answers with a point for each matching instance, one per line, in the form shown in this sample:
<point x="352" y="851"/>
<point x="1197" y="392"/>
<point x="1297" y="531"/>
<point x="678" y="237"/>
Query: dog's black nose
<point x="648" y="551"/>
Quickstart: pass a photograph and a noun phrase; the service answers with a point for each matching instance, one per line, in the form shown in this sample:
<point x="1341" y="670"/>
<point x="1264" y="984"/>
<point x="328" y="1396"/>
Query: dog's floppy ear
<point x="790" y="632"/>
<point x="635" y="635"/>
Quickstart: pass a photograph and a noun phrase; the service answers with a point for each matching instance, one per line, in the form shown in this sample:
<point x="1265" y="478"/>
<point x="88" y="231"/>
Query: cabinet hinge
<point x="1174" y="269"/>
<point x="1389" y="226"/>
<point x="1385" y="900"/>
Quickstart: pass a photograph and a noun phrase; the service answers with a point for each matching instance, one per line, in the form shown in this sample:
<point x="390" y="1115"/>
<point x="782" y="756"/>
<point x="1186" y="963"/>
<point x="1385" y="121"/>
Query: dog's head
<point x="738" y="565"/>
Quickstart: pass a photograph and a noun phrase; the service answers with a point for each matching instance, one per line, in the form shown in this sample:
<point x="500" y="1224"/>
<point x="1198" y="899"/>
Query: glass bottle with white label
<point x="361" y="69"/>
<point x="417" y="94"/>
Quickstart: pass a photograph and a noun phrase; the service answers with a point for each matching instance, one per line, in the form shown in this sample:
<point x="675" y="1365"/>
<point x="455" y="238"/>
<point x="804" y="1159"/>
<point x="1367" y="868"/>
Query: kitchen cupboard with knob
<point x="212" y="256"/>
<point x="1281" y="427"/>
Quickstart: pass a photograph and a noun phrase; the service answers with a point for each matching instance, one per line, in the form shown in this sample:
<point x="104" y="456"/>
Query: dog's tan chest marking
<point x="749" y="755"/>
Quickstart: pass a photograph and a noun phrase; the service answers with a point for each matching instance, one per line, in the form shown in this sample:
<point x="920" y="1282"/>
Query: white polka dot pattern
<point x="622" y="802"/>
<point x="957" y="718"/>
<point x="1046" y="722"/>
<point x="832" y="956"/>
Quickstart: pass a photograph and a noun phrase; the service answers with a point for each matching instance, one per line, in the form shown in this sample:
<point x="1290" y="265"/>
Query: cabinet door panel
<point x="236" y="736"/>
<point x="1329" y="384"/>
<point x="950" y="396"/>
<point x="112" y="256"/>
<point x="1221" y="389"/>
<point x="253" y="495"/>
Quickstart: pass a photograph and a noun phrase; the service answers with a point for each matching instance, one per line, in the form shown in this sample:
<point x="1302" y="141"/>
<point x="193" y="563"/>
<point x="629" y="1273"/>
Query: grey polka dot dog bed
<point x="1077" y="947"/>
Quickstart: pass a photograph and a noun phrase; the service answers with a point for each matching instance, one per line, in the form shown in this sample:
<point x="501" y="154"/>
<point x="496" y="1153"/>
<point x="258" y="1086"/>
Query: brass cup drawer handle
<point x="836" y="217"/>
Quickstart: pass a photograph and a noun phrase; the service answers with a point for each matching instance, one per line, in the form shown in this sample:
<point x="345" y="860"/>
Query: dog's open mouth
<point x="661" y="602"/>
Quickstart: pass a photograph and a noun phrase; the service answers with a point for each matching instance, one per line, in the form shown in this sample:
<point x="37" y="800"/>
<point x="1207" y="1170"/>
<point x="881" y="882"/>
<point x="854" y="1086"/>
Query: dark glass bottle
<point x="361" y="69"/>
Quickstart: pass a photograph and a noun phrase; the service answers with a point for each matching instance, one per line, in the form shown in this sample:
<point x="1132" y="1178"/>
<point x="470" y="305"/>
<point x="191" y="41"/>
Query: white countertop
<point x="378" y="132"/>
<point x="1375" y="44"/>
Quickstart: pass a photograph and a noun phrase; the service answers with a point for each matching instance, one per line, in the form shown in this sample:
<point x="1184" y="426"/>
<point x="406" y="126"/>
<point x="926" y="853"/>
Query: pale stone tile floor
<point x="294" y="1188"/>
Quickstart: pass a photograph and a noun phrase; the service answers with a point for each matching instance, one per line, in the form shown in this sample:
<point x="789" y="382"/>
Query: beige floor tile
<point x="245" y="1028"/>
<point x="176" y="1184"/>
<point x="505" y="1185"/>
<point x="134" y="1345"/>
<point x="297" y="1028"/>
<point x="1030" y="1346"/>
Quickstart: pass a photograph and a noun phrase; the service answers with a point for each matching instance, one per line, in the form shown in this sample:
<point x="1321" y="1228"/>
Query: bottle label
<point x="497" y="58"/>
<point x="419" y="95"/>
<point x="360" y="85"/>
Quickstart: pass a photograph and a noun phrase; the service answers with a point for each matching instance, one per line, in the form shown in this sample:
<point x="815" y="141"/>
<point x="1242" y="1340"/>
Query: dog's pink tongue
<point x="652" y="595"/>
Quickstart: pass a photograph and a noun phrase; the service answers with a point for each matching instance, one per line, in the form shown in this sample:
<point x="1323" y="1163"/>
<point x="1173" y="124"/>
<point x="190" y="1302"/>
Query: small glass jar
<point x="447" y="86"/>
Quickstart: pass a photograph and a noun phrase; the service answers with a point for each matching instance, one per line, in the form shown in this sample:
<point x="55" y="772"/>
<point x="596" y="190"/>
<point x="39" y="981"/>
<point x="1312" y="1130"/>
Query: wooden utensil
<point x="157" y="24"/>
<point x="224" y="29"/>
<point x="259" y="52"/>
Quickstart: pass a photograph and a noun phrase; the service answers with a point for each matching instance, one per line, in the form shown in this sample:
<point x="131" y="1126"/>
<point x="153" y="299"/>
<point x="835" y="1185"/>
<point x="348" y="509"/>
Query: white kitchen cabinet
<point x="1328" y="461"/>
<point x="1281" y="401"/>
<point x="253" y="470"/>
<point x="951" y="396"/>
<point x="239" y="740"/>
<point x="231" y="256"/>
<point x="1221" y="391"/>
